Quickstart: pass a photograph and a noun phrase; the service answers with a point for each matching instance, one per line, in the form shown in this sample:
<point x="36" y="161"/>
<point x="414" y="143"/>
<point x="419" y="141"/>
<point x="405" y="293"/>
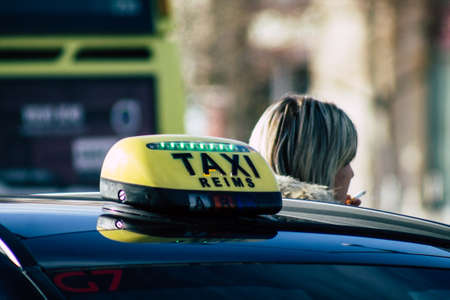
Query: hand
<point x="352" y="201"/>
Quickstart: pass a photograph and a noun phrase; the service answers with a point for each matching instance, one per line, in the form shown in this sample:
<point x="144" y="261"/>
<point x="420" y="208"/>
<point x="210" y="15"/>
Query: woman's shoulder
<point x="295" y="189"/>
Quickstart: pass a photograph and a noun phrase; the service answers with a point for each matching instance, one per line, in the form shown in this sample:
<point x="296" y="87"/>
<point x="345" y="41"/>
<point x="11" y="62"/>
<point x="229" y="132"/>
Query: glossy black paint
<point x="90" y="249"/>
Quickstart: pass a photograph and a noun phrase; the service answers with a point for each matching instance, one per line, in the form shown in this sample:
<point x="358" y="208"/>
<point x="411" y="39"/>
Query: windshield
<point x="257" y="281"/>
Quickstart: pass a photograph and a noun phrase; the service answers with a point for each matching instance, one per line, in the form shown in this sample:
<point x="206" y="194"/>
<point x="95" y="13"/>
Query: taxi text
<point x="213" y="172"/>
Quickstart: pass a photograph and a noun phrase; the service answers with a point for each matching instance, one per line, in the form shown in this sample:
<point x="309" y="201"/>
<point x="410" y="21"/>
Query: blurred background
<point x="75" y="76"/>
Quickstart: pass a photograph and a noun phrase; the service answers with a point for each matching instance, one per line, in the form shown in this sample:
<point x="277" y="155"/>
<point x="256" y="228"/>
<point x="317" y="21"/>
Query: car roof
<point x="62" y="231"/>
<point x="80" y="206"/>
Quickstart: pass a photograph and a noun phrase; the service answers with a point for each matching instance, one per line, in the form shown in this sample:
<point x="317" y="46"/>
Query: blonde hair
<point x="305" y="138"/>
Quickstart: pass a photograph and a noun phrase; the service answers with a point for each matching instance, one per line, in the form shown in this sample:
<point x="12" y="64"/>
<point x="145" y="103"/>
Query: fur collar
<point x="295" y="189"/>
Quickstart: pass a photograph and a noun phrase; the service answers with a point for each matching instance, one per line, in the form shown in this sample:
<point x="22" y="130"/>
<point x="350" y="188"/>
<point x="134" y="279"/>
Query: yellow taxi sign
<point x="188" y="163"/>
<point x="202" y="171"/>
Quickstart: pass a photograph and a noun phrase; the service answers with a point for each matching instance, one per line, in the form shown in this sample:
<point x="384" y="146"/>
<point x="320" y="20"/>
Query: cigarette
<point x="359" y="195"/>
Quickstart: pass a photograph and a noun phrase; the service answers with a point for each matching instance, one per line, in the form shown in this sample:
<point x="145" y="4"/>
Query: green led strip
<point x="197" y="146"/>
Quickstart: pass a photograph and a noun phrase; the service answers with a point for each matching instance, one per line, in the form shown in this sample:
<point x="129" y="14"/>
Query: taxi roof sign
<point x="180" y="173"/>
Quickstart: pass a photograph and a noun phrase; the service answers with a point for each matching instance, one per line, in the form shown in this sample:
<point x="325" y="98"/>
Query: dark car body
<point x="69" y="246"/>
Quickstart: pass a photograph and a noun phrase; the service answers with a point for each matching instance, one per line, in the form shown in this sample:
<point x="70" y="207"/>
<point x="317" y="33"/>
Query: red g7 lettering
<point x="91" y="285"/>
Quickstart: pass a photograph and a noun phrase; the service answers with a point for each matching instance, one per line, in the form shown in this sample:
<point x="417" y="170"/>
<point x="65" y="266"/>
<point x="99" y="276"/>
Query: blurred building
<point x="385" y="62"/>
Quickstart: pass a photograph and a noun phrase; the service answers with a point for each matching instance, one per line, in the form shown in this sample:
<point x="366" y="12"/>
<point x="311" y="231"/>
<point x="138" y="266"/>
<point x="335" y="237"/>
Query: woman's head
<point x="305" y="138"/>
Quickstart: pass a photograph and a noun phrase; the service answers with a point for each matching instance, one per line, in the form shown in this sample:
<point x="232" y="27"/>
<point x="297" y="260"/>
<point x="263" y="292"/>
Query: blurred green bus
<point x="77" y="75"/>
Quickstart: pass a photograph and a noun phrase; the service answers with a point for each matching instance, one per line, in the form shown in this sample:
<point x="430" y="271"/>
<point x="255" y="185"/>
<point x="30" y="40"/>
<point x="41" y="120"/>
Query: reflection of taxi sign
<point x="124" y="228"/>
<point x="179" y="173"/>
